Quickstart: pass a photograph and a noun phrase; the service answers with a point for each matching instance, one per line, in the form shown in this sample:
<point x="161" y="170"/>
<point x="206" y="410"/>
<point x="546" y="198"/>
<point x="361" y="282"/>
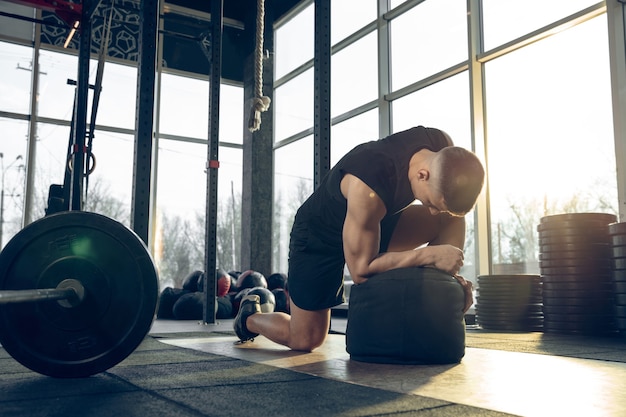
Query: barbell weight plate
<point x="593" y="235"/>
<point x="580" y="217"/>
<point x="515" y="278"/>
<point x="583" y="318"/>
<point x="619" y="287"/>
<point x="618" y="251"/>
<point x="620" y="311"/>
<point x="618" y="263"/>
<point x="601" y="263"/>
<point x="597" y="327"/>
<point x="487" y="309"/>
<point x="582" y="241"/>
<point x="577" y="286"/>
<point x="603" y="249"/>
<point x="620" y="299"/>
<point x="580" y="301"/>
<point x="121" y="292"/>
<point x="571" y="226"/>
<point x="617" y="228"/>
<point x="575" y="254"/>
<point x="551" y="279"/>
<point x="617" y="240"/>
<point x="618" y="274"/>
<point x="591" y="271"/>
<point x="596" y="294"/>
<point x="510" y="299"/>
<point x="588" y="310"/>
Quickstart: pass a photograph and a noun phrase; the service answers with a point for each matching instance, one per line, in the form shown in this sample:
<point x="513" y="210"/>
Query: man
<point x="362" y="216"/>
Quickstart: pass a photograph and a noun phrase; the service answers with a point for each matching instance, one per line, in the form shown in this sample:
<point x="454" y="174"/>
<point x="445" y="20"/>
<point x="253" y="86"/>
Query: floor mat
<point x="160" y="379"/>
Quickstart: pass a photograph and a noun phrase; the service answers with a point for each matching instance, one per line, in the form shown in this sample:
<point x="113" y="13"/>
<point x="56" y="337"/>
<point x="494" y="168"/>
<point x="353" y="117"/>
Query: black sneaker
<point x="250" y="304"/>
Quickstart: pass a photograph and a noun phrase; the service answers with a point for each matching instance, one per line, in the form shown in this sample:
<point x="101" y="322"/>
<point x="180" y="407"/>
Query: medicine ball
<point x="282" y="300"/>
<point x="276" y="280"/>
<point x="251" y="279"/>
<point x="190" y="283"/>
<point x="224" y="308"/>
<point x="223" y="282"/>
<point x="167" y="299"/>
<point x="189" y="307"/>
<point x="267" y="299"/>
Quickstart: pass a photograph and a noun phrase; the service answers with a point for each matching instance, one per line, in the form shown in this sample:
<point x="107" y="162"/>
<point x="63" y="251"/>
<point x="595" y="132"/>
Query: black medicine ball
<point x="190" y="283"/>
<point x="267" y="299"/>
<point x="251" y="279"/>
<point x="282" y="301"/>
<point x="276" y="280"/>
<point x="167" y="299"/>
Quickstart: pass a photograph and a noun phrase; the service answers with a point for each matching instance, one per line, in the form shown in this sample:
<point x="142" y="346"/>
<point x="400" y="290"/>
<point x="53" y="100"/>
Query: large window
<point x="354" y="75"/>
<point x="354" y="131"/>
<point x="55" y="97"/>
<point x="50" y="159"/>
<point x="293" y="106"/>
<point x="505" y="20"/>
<point x="184" y="106"/>
<point x="294" y="42"/>
<point x="444" y="105"/>
<point x="16" y="69"/>
<point x="293" y="183"/>
<point x="427" y="39"/>
<point x="16" y="28"/>
<point x="348" y="16"/>
<point x="12" y="163"/>
<point x="550" y="137"/>
<point x="182" y="177"/>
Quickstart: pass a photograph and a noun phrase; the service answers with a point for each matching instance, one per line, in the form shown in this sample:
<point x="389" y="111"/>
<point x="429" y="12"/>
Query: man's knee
<point x="307" y="343"/>
<point x="308" y="329"/>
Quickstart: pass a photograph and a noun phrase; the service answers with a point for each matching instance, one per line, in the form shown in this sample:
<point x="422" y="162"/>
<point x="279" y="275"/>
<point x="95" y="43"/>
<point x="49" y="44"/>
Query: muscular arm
<point x="361" y="238"/>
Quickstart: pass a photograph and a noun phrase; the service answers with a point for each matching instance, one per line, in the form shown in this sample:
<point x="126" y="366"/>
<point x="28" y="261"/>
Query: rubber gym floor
<point x="187" y="368"/>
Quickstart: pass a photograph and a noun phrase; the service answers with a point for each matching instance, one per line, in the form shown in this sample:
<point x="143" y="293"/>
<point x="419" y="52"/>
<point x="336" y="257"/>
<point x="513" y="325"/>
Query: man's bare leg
<point x="302" y="330"/>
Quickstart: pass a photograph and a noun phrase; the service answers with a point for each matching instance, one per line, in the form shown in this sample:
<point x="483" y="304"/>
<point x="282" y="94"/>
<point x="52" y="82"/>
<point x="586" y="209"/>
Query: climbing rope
<point x="260" y="103"/>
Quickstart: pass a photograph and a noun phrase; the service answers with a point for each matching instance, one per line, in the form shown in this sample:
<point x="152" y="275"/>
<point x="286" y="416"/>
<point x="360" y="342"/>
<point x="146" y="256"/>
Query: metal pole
<point x="322" y="118"/>
<point x="79" y="131"/>
<point x="210" y="285"/>
<point x="144" y="118"/>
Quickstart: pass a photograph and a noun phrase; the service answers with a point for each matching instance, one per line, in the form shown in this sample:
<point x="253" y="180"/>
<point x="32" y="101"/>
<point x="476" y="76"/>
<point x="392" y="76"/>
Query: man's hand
<point x="467" y="289"/>
<point x="447" y="258"/>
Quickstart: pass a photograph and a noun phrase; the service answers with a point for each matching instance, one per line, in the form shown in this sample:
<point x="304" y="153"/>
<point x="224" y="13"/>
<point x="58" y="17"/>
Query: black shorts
<point x="315" y="269"/>
<point x="316" y="263"/>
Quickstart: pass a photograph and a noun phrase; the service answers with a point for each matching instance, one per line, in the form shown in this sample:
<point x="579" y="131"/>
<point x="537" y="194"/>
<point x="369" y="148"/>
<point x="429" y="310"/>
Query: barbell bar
<point x="78" y="294"/>
<point x="69" y="293"/>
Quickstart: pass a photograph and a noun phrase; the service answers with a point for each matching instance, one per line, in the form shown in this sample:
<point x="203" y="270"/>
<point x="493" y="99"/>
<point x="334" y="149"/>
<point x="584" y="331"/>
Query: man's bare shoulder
<point x="361" y="196"/>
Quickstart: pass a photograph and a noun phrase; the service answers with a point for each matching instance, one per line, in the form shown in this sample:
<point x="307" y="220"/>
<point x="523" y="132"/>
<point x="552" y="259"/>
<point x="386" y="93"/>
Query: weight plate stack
<point x="617" y="234"/>
<point x="509" y="302"/>
<point x="575" y="265"/>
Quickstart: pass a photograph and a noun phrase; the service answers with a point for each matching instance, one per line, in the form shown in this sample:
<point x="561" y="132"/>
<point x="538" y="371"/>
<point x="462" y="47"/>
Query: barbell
<point x="78" y="294"/>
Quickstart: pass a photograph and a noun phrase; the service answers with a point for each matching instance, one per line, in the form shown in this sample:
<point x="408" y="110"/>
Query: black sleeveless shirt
<point x="383" y="165"/>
